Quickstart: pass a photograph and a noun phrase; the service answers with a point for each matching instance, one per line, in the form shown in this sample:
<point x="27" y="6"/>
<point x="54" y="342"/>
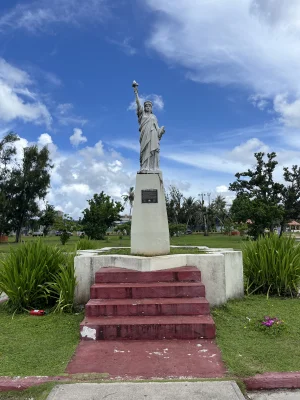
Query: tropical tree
<point x="291" y="196"/>
<point x="174" y="201"/>
<point x="47" y="218"/>
<point x="129" y="198"/>
<point x="100" y="215"/>
<point x="26" y="184"/>
<point x="259" y="197"/>
<point x="217" y="211"/>
<point x="7" y="153"/>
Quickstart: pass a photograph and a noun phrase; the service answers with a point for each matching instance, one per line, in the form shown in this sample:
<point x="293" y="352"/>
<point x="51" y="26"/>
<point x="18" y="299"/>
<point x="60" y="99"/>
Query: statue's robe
<point x="150" y="135"/>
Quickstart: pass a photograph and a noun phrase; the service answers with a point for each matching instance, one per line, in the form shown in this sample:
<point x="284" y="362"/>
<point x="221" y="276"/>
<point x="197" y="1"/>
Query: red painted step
<point x="148" y="328"/>
<point x="142" y="307"/>
<point x="147" y="290"/>
<point x="123" y="275"/>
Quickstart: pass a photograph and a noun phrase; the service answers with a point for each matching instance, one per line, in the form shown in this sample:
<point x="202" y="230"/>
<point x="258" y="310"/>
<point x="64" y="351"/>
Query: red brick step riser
<point x="154" y="332"/>
<point x="147" y="292"/>
<point x="117" y="275"/>
<point x="146" y="309"/>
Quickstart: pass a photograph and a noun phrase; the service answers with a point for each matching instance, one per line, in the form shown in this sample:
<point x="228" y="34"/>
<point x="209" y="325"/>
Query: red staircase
<point x="165" y="304"/>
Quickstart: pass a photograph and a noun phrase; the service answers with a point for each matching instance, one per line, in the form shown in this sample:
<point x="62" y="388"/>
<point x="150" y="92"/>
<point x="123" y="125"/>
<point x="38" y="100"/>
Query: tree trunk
<point x="282" y="228"/>
<point x="18" y="235"/>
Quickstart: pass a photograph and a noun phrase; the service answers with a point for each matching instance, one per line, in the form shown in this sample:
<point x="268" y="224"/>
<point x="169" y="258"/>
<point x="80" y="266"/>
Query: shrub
<point x="25" y="274"/>
<point x="87" y="244"/>
<point x="176" y="229"/>
<point x="62" y="286"/>
<point x="272" y="265"/>
<point x="64" y="237"/>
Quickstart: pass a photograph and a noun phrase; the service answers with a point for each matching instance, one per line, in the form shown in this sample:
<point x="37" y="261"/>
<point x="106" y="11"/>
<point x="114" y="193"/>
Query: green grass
<point x="247" y="351"/>
<point x="40" y="392"/>
<point x="31" y="345"/>
<point x="214" y="240"/>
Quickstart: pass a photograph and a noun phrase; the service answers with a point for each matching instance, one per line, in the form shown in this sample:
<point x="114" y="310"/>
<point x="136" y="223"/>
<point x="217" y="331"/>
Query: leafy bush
<point x="87" y="244"/>
<point x="272" y="265"/>
<point x="124" y="228"/>
<point x="62" y="286"/>
<point x="175" y="229"/>
<point x="64" y="237"/>
<point x="25" y="274"/>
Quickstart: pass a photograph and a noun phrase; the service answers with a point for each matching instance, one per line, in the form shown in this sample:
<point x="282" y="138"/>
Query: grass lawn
<point x="40" y="392"/>
<point x="214" y="240"/>
<point x="31" y="345"/>
<point x="247" y="351"/>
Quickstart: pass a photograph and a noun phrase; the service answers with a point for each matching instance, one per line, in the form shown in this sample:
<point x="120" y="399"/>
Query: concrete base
<point x="226" y="390"/>
<point x="149" y="226"/>
<point x="221" y="272"/>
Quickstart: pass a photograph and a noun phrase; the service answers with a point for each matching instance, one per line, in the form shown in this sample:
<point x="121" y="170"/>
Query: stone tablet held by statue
<point x="150" y="135"/>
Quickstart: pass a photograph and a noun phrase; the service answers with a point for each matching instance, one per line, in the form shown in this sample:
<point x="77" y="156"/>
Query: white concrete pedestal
<point x="149" y="226"/>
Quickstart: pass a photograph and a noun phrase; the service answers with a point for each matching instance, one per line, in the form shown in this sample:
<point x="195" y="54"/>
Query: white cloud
<point x="259" y="101"/>
<point x="46" y="140"/>
<point x="17" y="101"/>
<point x="244" y="152"/>
<point x="64" y="108"/>
<point x="157" y="100"/>
<point x="251" y="43"/>
<point x="221" y="189"/>
<point x="124" y="45"/>
<point x="290" y="111"/>
<point x="12" y="75"/>
<point x="38" y="15"/>
<point x="77" y="137"/>
<point x="65" y="116"/>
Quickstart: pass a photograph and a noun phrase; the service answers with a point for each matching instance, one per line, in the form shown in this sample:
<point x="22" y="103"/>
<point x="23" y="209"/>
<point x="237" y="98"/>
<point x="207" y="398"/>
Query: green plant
<point x="272" y="265"/>
<point x="64" y="237"/>
<point x="62" y="286"/>
<point x="271" y="325"/>
<point x="175" y="229"/>
<point x="25" y="272"/>
<point x="86" y="244"/>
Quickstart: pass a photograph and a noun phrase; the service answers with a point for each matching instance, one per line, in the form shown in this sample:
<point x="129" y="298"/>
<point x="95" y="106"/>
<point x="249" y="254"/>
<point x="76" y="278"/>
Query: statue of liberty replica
<point x="150" y="135"/>
<point x="149" y="227"/>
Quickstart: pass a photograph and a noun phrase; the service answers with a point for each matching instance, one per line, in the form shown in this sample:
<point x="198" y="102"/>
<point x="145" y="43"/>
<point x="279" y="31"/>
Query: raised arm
<point x="139" y="108"/>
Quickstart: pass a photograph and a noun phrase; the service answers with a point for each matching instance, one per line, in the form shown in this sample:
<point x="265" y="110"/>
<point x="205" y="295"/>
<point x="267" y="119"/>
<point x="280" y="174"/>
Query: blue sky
<point x="223" y="76"/>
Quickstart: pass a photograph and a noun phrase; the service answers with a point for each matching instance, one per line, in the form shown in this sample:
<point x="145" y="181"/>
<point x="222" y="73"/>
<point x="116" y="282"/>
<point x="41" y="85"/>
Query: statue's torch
<point x="135" y="86"/>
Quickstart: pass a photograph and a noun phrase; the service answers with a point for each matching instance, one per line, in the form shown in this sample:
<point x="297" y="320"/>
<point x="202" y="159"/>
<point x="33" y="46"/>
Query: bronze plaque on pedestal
<point x="149" y="196"/>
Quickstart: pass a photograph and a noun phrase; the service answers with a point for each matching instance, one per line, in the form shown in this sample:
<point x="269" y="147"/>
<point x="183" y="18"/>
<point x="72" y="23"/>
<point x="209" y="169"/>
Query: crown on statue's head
<point x="148" y="102"/>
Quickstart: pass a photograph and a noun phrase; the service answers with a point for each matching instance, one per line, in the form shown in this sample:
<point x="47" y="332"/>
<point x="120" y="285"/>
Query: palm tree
<point x="129" y="197"/>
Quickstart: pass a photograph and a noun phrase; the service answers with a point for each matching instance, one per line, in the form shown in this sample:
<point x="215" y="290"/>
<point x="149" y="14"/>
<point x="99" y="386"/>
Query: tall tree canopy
<point x="129" y="198"/>
<point x="100" y="215"/>
<point x="47" y="218"/>
<point x="25" y="184"/>
<point x="7" y="153"/>
<point x="262" y="200"/>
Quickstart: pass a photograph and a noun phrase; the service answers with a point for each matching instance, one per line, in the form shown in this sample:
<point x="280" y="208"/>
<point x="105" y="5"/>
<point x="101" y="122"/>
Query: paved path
<point x="275" y="395"/>
<point x="226" y="390"/>
<point x="149" y="359"/>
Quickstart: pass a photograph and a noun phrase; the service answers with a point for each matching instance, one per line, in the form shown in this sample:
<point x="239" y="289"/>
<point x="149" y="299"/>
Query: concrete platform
<point x="226" y="390"/>
<point x="151" y="359"/>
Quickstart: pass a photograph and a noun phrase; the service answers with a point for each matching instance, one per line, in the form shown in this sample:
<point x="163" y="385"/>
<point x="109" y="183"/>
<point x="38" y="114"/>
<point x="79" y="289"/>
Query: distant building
<point x="123" y="220"/>
<point x="59" y="213"/>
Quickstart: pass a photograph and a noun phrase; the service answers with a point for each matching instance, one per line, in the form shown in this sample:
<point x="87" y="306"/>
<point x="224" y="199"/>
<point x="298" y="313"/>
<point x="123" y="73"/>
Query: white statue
<point x="150" y="135"/>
